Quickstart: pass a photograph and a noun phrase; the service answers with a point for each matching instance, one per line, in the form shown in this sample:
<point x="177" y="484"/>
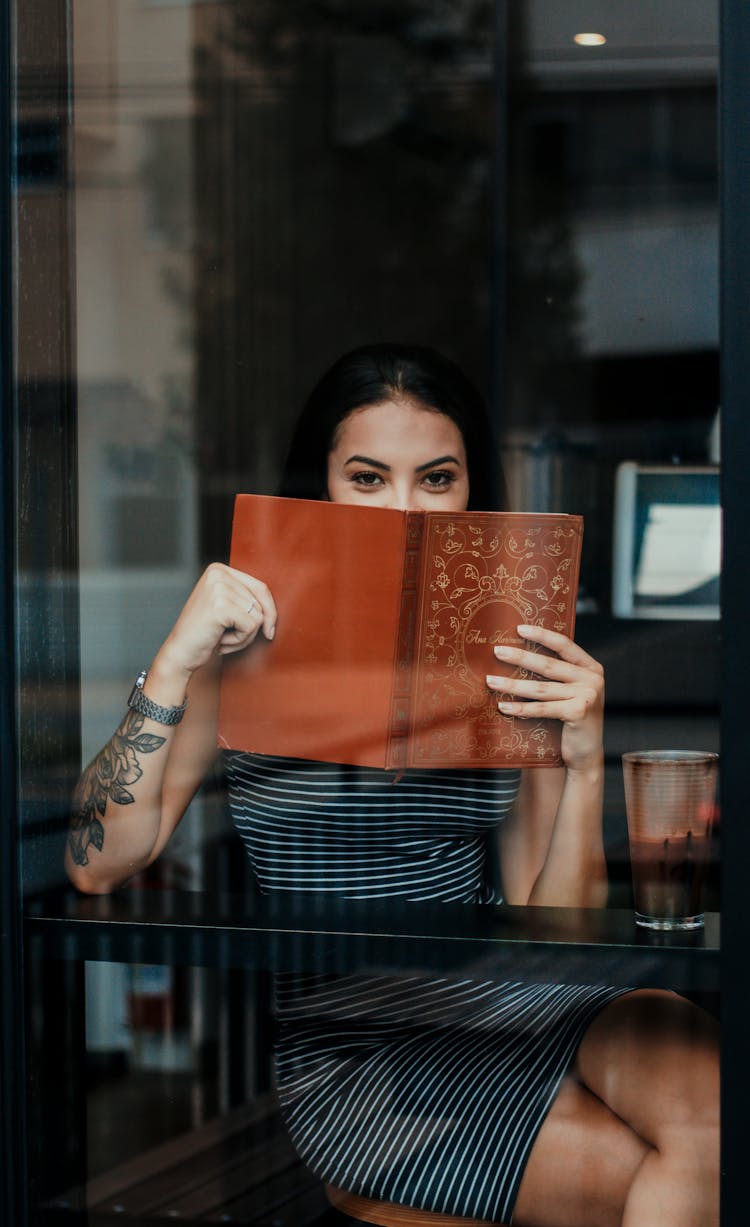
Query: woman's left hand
<point x="566" y="686"/>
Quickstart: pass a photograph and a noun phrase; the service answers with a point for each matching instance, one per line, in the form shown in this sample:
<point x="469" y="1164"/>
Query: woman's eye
<point x="439" y="479"/>
<point x="367" y="478"/>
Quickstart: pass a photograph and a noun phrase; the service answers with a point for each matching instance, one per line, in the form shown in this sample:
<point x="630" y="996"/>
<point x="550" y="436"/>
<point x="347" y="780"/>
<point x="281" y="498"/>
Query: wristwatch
<point x="140" y="702"/>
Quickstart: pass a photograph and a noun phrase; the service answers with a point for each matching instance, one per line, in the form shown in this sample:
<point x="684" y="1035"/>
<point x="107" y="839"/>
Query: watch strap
<point x="140" y="702"/>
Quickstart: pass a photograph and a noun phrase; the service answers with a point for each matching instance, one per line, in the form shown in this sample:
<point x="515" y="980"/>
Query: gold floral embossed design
<point x="484" y="580"/>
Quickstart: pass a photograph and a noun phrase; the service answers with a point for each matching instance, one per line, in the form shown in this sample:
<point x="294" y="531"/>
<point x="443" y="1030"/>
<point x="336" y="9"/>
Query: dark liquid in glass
<point x="668" y="874"/>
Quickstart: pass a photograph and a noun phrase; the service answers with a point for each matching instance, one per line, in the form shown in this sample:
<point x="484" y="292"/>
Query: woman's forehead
<point x="395" y="421"/>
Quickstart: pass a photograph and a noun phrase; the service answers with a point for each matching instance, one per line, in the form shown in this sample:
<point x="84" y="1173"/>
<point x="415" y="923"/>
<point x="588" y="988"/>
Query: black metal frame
<point x="13" y="1199"/>
<point x="735" y="408"/>
<point x="42" y="1084"/>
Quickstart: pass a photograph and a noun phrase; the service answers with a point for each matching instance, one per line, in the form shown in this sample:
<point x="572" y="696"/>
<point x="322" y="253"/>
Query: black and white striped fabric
<point x="416" y="1089"/>
<point x="366" y="834"/>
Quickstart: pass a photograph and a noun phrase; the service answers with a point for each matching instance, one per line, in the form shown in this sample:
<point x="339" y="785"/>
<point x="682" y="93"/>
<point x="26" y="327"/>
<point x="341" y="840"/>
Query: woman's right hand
<point x="224" y="613"/>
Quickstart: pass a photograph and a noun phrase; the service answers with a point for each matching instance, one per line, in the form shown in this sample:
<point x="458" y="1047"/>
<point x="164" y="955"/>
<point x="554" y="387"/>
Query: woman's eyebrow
<point x="376" y="464"/>
<point x="420" y="468"/>
<point x="440" y="460"/>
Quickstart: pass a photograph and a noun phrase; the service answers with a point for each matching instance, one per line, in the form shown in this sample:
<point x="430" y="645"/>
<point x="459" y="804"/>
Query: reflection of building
<point x="134" y="105"/>
<point x="133" y="98"/>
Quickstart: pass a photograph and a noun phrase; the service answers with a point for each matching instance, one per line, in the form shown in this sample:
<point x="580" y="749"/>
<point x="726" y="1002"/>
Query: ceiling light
<point x="589" y="40"/>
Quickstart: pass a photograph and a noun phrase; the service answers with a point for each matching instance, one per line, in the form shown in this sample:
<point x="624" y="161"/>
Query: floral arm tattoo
<point x="106" y="777"/>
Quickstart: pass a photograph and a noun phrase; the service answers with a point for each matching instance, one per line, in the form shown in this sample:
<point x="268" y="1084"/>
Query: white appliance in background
<point x="666" y="550"/>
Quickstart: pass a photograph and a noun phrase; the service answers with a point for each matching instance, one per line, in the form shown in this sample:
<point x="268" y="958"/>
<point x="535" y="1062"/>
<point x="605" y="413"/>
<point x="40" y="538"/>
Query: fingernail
<point x="505" y="707"/>
<point x="522" y="630"/>
<point x="272" y="632"/>
<point x="492" y="680"/>
<point x="503" y="650"/>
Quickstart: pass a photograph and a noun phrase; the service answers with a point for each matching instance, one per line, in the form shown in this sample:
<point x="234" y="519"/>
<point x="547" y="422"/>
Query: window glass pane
<point x="221" y="199"/>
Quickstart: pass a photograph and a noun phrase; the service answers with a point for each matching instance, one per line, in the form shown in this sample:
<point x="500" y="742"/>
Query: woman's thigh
<point x="653" y="1058"/>
<point x="581" y="1166"/>
<point x="646" y="1079"/>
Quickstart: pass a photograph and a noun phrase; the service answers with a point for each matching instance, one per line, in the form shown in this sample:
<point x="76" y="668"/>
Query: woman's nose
<point x="402" y="498"/>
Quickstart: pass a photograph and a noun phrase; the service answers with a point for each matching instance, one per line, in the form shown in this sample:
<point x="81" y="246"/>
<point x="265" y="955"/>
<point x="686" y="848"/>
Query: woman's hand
<point x="224" y="613"/>
<point x="567" y="686"/>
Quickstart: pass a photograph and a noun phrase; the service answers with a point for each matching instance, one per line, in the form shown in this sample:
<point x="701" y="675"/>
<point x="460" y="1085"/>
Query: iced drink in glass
<point x="670" y="798"/>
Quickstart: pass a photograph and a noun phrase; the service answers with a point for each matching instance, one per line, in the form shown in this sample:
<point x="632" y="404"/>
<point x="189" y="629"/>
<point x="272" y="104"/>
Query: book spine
<point x="398" y="737"/>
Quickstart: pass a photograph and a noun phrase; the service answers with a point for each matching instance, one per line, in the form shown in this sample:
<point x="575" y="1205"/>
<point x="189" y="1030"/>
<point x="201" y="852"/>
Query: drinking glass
<point x="670" y="802"/>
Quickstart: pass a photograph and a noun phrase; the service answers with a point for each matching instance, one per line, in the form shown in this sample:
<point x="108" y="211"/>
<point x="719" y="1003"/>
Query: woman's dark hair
<point x="376" y="373"/>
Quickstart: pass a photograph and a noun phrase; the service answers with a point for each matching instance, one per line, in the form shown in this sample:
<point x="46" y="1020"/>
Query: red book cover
<point x="386" y="624"/>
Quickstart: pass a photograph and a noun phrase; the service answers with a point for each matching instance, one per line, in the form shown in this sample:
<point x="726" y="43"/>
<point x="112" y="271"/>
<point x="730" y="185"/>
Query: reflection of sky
<point x="680" y="550"/>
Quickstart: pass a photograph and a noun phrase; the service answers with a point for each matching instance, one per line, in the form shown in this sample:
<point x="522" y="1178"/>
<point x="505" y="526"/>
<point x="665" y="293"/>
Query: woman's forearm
<point x="133" y="793"/>
<point x="117" y="805"/>
<point x="574" y="872"/>
<point x="116" y="813"/>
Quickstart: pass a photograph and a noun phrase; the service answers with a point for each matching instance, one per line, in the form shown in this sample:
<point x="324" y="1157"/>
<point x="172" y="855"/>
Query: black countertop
<point x="317" y="933"/>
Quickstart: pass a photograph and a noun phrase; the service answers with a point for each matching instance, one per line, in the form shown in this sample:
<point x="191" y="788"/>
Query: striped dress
<point x="418" y="1089"/>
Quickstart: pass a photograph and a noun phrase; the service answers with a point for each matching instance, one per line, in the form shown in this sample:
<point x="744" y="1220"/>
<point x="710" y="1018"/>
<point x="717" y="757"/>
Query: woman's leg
<point x="652" y="1058"/>
<point x="581" y="1167"/>
<point x="634" y="1142"/>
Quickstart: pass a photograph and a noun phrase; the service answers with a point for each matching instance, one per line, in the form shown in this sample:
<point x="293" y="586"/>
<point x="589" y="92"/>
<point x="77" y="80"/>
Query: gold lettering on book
<point x="476" y="637"/>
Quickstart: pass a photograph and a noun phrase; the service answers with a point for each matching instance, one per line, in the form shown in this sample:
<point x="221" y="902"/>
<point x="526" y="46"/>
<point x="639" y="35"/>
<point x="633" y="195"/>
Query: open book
<point x="386" y="625"/>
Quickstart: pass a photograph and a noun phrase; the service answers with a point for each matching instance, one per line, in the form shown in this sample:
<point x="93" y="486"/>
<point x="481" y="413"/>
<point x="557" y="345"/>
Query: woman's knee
<point x="652" y="1057"/>
<point x="581" y="1166"/>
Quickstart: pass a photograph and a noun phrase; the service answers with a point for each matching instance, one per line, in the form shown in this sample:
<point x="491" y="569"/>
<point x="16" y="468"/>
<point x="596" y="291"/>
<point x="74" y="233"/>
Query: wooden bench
<point x="238" y="1168"/>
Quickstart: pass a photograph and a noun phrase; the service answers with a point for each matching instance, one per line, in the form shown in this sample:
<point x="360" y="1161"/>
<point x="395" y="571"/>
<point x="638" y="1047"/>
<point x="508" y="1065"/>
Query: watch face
<point x="137" y="688"/>
<point x="137" y="699"/>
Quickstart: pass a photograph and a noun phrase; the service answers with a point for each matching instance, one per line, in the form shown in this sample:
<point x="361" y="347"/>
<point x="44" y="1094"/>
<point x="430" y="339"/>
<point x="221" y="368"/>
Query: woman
<point x="554" y="1104"/>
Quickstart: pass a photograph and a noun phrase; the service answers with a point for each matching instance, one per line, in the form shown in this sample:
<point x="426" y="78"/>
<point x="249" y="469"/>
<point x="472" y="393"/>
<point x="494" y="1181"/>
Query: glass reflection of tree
<point x="345" y="194"/>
